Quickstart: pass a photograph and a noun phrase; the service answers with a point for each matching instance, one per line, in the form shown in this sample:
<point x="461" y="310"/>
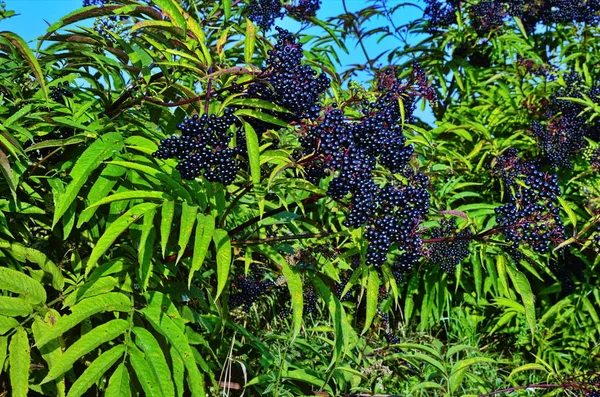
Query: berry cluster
<point x="440" y="13"/>
<point x="563" y="135"/>
<point x="448" y="247"/>
<point x="487" y="16"/>
<point x="204" y="148"/>
<point x="350" y="151"/>
<point x="286" y="82"/>
<point x="88" y="3"/>
<point x="532" y="215"/>
<point x="264" y="12"/>
<point x="249" y="289"/>
<point x="304" y="9"/>
<point x="60" y="92"/>
<point x="594" y="159"/>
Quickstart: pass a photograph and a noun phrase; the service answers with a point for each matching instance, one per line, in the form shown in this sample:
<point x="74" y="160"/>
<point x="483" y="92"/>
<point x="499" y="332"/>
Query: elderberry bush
<point x="532" y="214"/>
<point x="204" y="148"/>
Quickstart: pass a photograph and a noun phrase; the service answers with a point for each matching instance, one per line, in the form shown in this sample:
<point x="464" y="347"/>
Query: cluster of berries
<point x="264" y="12"/>
<point x="532" y="215"/>
<point x="448" y="246"/>
<point x="488" y="15"/>
<point x="441" y="13"/>
<point x="204" y="148"/>
<point x="563" y="135"/>
<point x="350" y="151"/>
<point x="304" y="9"/>
<point x="286" y="82"/>
<point x="59" y="92"/>
<point x="248" y="289"/>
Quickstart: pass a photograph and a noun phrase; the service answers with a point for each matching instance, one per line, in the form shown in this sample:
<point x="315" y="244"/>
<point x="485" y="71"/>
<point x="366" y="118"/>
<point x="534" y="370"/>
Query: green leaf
<point x="19" y="283"/>
<point x="84" y="345"/>
<point x="19" y="359"/>
<point x="158" y="174"/>
<point x="188" y="219"/>
<point x="31" y="60"/>
<point x="250" y="41"/>
<point x="372" y="297"/>
<point x="156" y="360"/>
<point x="101" y="149"/>
<point x="163" y="324"/>
<point x="40" y="259"/>
<point x="101" y="188"/>
<point x="143" y="372"/>
<point x="171" y="8"/>
<point x="294" y="283"/>
<point x="146" y="249"/>
<point x="204" y="235"/>
<point x="253" y="153"/>
<point x="3" y="347"/>
<point x="178" y="370"/>
<point x="6" y="324"/>
<point x="9" y="176"/>
<point x="167" y="213"/>
<point x="109" y="302"/>
<point x="115" y="230"/>
<point x="96" y="371"/>
<point x="14" y="307"/>
<point x="527" y="367"/>
<point x="223" y="246"/>
<point x="567" y="208"/>
<point x="130" y="195"/>
<point x="524" y="289"/>
<point x="118" y="384"/>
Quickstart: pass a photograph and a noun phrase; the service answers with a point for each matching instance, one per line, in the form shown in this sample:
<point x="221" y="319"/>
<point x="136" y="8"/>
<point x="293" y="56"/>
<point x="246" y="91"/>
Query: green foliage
<point x="121" y="278"/>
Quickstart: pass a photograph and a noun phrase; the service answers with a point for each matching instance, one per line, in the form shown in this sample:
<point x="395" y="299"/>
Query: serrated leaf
<point x="14" y="307"/>
<point x="95" y="286"/>
<point x="253" y="153"/>
<point x="146" y="249"/>
<point x="223" y="247"/>
<point x="118" y="384"/>
<point x="294" y="283"/>
<point x="112" y="301"/>
<point x="6" y="324"/>
<point x="249" y="41"/>
<point x="204" y="234"/>
<point x="158" y="174"/>
<point x="523" y="287"/>
<point x="188" y="219"/>
<point x="96" y="371"/>
<point x="167" y="213"/>
<point x="19" y="283"/>
<point x="372" y="297"/>
<point x="163" y="324"/>
<point x="3" y="351"/>
<point x="143" y="372"/>
<point x="114" y="231"/>
<point x="171" y="8"/>
<point x="19" y="359"/>
<point x="527" y="367"/>
<point x="156" y="360"/>
<point x="85" y="344"/>
<point x="178" y="370"/>
<point x="40" y="259"/>
<point x="130" y="195"/>
<point x="100" y="189"/>
<point x="30" y="58"/>
<point x="88" y="161"/>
